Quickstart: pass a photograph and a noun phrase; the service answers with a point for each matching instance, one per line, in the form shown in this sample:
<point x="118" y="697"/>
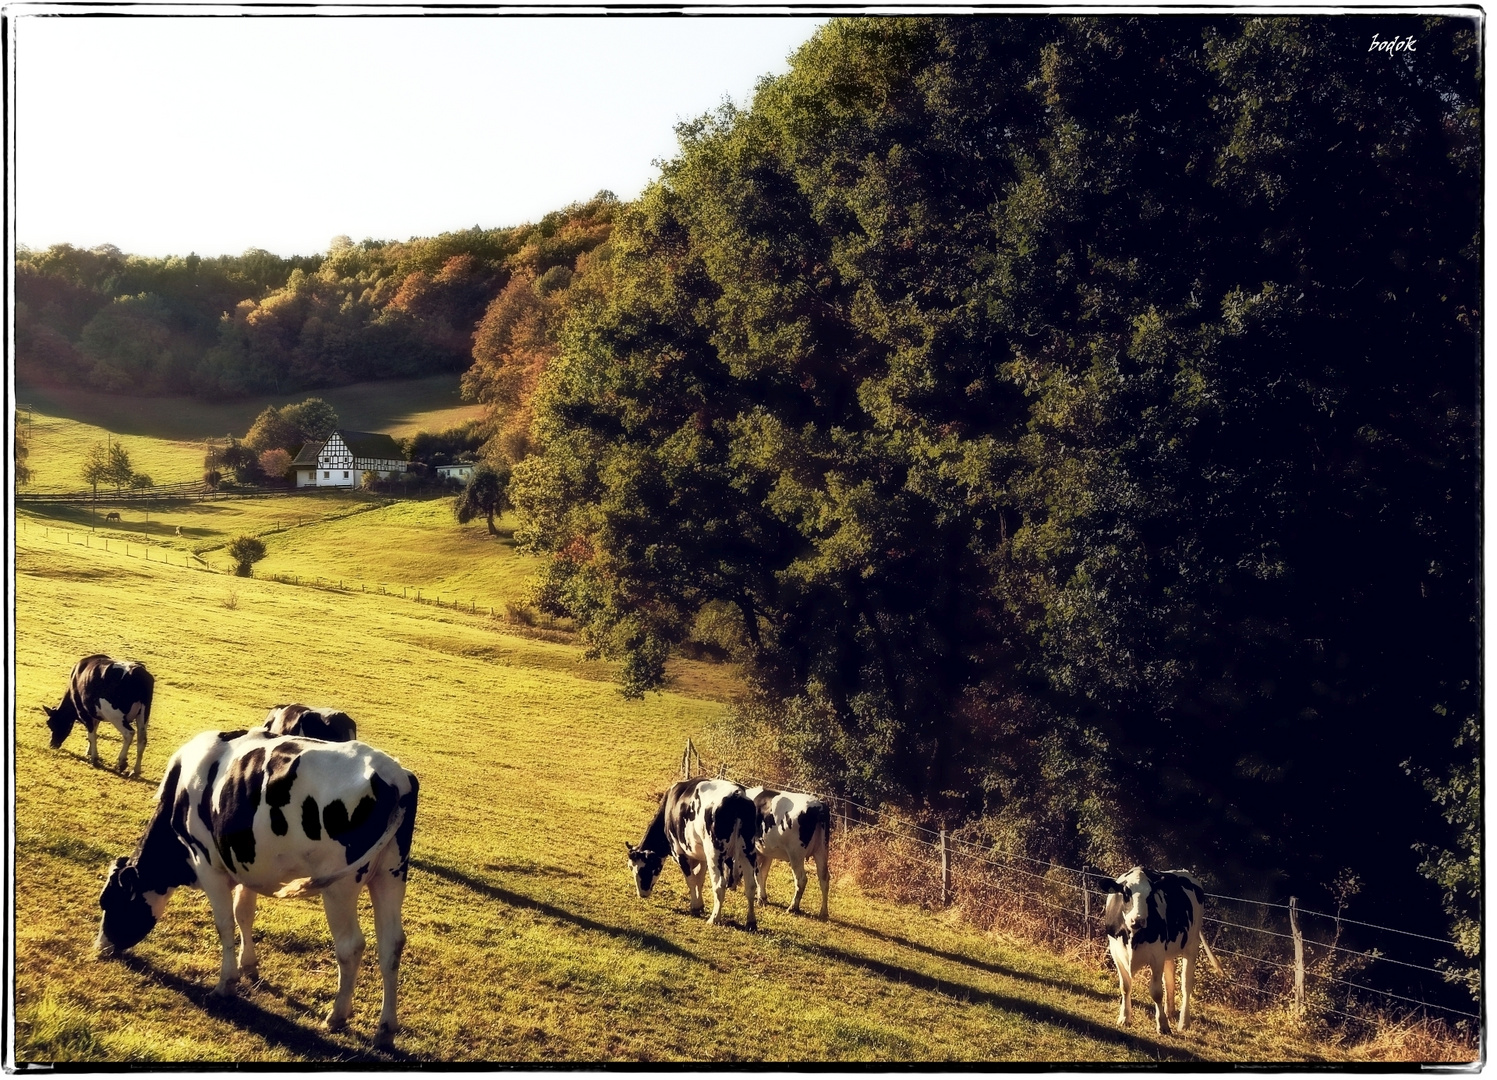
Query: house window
<point x="327" y="476"/>
<point x="345" y="474"/>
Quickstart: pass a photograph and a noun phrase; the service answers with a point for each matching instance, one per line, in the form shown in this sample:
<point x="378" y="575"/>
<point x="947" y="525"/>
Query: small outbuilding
<point x="461" y="471"/>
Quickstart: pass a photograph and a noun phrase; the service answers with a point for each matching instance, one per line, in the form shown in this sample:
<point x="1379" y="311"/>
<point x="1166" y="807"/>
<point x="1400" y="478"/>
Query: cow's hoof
<point x="334" y="1022"/>
<point x="384" y="1037"/>
<point x="224" y="989"/>
<point x="751" y="925"/>
<point x="249" y="972"/>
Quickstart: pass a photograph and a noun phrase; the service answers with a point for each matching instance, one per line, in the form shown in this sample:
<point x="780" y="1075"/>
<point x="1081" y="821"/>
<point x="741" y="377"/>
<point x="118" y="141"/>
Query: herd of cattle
<point x="298" y="807"/>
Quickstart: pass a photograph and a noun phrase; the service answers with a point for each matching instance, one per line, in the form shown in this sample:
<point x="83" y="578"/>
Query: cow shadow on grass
<point x="638" y="938"/>
<point x="982" y="965"/>
<point x="1032" y="1010"/>
<point x="278" y="1031"/>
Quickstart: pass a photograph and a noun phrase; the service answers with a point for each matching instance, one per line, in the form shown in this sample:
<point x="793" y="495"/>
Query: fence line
<point x="892" y="825"/>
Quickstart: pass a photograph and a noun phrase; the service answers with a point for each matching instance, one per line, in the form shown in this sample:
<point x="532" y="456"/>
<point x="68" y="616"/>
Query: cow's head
<point x="1127" y="908"/>
<point x="60" y="721"/>
<point x="646" y="868"/>
<point x="128" y="917"/>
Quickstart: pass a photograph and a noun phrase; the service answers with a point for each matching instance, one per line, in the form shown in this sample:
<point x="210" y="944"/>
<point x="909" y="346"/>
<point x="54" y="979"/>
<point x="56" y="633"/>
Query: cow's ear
<point x="119" y="863"/>
<point x="1104" y="884"/>
<point x="629" y="847"/>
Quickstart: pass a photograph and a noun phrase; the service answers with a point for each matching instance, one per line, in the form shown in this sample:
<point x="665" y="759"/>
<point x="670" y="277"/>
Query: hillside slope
<point x="526" y="941"/>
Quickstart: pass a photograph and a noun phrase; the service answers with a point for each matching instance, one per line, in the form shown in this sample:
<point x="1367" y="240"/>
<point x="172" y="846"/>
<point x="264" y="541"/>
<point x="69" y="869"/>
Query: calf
<point x="793" y="827"/>
<point x="101" y="688"/>
<point x="708" y="827"/>
<point x="113" y="515"/>
<point x="239" y="814"/>
<point x="322" y="723"/>
<point x="1153" y="918"/>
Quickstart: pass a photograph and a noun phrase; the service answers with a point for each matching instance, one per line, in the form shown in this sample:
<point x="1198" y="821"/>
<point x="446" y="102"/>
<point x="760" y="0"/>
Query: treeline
<point x="1070" y="424"/>
<point x="255" y="323"/>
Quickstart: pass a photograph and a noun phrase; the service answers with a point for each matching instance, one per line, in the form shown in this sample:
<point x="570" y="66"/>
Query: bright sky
<point x="167" y="135"/>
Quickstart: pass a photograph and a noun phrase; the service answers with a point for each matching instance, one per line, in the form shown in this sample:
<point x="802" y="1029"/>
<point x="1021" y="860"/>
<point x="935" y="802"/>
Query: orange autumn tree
<point x="563" y="260"/>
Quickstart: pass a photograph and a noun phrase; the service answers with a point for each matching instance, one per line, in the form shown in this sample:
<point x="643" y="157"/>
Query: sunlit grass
<point x="527" y="943"/>
<point x="398" y="406"/>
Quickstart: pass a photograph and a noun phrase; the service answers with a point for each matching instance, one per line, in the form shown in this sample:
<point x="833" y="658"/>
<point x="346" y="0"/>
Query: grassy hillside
<point x="398" y="406"/>
<point x="526" y="942"/>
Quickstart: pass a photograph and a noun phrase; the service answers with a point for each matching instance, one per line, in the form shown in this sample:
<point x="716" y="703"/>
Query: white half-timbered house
<point x="345" y="457"/>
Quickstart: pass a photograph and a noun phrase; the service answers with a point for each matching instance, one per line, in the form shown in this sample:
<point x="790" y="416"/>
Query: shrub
<point x="245" y="551"/>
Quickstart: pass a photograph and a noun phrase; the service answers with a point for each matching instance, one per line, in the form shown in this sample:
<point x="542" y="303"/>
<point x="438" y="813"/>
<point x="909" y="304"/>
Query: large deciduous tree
<point x="1055" y="402"/>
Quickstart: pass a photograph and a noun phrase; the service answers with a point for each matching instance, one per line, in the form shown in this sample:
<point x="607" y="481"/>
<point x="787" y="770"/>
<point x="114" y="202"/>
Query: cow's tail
<point x="1210" y="956"/>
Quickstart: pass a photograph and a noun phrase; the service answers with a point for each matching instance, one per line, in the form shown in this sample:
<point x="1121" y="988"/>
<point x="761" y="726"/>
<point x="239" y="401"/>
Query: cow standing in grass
<point x="308" y="723"/>
<point x="244" y="813"/>
<point x="711" y="829"/>
<point x="102" y="688"/>
<point x="793" y="828"/>
<point x="1154" y="918"/>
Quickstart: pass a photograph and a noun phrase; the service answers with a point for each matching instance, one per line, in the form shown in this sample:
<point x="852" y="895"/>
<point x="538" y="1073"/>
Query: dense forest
<point x="257" y="322"/>
<point x="1069" y="425"/>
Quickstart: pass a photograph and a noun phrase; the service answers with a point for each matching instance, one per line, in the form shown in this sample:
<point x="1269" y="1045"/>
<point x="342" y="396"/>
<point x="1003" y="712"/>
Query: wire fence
<point x="1273" y="954"/>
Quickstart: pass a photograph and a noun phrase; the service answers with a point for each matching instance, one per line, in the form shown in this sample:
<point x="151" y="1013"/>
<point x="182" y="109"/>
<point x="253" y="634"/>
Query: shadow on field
<point x="653" y="942"/>
<point x="981" y="965"/>
<point x="1033" y="1010"/>
<point x="247" y="1016"/>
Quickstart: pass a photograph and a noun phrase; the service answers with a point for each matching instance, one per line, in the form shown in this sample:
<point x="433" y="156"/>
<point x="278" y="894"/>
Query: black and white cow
<point x="102" y="688"/>
<point x="244" y="813"/>
<point x="711" y="828"/>
<point x="308" y="723"/>
<point x="792" y="828"/>
<point x="1153" y="918"/>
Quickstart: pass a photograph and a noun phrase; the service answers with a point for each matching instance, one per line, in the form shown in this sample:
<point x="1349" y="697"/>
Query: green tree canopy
<point x="1066" y="408"/>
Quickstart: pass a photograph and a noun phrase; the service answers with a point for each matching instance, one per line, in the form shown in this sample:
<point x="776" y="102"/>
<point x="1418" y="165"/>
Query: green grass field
<point x="526" y="941"/>
<point x="397" y="406"/>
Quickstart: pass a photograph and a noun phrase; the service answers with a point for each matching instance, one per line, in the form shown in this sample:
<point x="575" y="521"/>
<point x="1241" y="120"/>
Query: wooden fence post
<point x="1086" y="909"/>
<point x="1299" y="957"/>
<point x="945" y="867"/>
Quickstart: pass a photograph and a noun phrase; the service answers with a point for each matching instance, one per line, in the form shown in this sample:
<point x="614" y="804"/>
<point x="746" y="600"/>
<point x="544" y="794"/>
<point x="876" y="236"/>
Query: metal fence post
<point x="1299" y="957"/>
<point x="945" y="868"/>
<point x="1086" y="909"/>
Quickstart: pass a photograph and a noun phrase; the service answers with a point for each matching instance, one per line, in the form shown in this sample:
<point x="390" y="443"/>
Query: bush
<point x="245" y="551"/>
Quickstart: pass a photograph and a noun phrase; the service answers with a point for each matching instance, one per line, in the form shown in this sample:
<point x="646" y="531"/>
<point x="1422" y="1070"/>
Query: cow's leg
<point x="718" y="871"/>
<point x="798" y="871"/>
<point x="762" y="875"/>
<point x="341" y="902"/>
<point x="1187" y="984"/>
<point x="244" y="915"/>
<point x="750" y="887"/>
<point x="140" y="744"/>
<point x="386" y="895"/>
<point x="126" y="734"/>
<point x="823" y="873"/>
<point x="93" y="745"/>
<point x="1125" y="987"/>
<point x="1160" y="975"/>
<point x="220" y="892"/>
<point x="693" y="872"/>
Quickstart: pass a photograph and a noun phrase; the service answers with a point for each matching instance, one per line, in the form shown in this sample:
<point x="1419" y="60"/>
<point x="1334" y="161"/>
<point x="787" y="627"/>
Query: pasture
<point x="398" y="406"/>
<point x="526" y="941"/>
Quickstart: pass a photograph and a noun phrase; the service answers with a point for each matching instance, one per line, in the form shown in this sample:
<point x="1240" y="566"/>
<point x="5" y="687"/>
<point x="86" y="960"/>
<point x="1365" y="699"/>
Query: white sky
<point x="165" y="135"/>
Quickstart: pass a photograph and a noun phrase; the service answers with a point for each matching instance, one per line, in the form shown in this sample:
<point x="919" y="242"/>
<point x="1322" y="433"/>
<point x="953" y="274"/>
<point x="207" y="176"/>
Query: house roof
<point x="307" y="455"/>
<point x="372" y="444"/>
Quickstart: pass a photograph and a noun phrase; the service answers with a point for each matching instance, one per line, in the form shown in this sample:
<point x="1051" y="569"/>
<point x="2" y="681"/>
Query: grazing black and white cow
<point x="711" y="828"/>
<point x="792" y="828"/>
<point x="308" y="723"/>
<point x="102" y="688"/>
<point x="244" y="813"/>
<point x="1153" y="918"/>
